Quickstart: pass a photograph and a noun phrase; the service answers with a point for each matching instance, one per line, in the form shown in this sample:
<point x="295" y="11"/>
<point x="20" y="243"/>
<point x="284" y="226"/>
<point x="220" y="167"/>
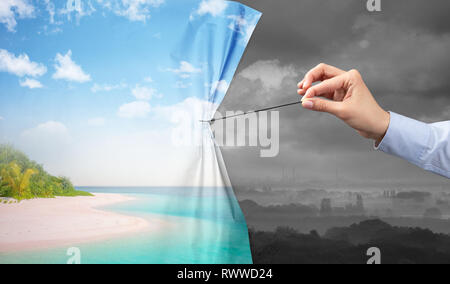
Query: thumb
<point x="322" y="105"/>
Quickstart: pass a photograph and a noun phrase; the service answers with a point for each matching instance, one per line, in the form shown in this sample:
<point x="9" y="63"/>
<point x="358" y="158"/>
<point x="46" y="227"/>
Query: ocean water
<point x="206" y="225"/>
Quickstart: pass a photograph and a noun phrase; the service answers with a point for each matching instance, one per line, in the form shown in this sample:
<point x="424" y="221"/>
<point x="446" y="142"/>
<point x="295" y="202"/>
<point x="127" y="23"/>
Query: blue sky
<point x="90" y="88"/>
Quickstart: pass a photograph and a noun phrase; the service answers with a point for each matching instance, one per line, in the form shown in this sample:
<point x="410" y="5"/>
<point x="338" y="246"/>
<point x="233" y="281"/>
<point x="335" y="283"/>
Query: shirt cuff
<point x="406" y="138"/>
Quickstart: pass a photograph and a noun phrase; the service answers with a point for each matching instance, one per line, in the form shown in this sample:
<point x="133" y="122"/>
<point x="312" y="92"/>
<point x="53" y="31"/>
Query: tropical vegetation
<point x="21" y="178"/>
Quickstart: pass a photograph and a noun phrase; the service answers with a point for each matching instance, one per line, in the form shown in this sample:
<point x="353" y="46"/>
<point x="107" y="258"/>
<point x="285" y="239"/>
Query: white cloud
<point x="97" y="121"/>
<point x="137" y="109"/>
<point x="184" y="117"/>
<point x="1" y="118"/>
<point x="148" y="79"/>
<point x="66" y="69"/>
<point x="182" y="85"/>
<point x="50" y="30"/>
<point x="51" y="130"/>
<point x="50" y="7"/>
<point x="269" y="72"/>
<point x="238" y="21"/>
<point x="10" y="9"/>
<point x="107" y="87"/>
<point x="185" y="70"/>
<point x="138" y="10"/>
<point x="78" y="7"/>
<point x="197" y="109"/>
<point x="144" y="93"/>
<point x="51" y="127"/>
<point x="220" y="86"/>
<point x="47" y="143"/>
<point x="20" y="65"/>
<point x="134" y="10"/>
<point x="31" y="83"/>
<point x="242" y="26"/>
<point x="213" y="7"/>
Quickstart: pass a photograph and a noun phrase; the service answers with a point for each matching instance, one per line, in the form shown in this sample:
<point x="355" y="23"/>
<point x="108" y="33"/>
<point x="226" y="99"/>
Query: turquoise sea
<point x="207" y="226"/>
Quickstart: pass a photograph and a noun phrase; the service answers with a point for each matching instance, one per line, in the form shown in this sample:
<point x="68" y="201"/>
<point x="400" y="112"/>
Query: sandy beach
<point x="43" y="223"/>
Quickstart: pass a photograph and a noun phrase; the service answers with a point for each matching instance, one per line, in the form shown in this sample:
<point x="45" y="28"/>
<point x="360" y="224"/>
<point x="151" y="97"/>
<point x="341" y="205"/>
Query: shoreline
<point x="50" y="223"/>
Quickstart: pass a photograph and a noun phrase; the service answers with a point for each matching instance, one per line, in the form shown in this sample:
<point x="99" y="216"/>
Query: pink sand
<point x="41" y="223"/>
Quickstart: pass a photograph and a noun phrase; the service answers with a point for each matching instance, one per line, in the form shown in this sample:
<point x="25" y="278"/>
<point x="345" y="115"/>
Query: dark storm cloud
<point x="297" y="30"/>
<point x="406" y="42"/>
<point x="402" y="53"/>
<point x="300" y="29"/>
<point x="430" y="16"/>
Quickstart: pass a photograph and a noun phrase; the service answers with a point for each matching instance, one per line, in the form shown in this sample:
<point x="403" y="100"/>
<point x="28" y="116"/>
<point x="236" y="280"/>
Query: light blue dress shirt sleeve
<point x="424" y="145"/>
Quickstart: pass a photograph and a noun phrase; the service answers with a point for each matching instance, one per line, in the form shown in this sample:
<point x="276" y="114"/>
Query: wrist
<point x="384" y="126"/>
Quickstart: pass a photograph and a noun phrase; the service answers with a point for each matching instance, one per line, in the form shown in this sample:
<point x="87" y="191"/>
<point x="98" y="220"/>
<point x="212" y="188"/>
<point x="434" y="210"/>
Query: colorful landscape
<point x="101" y="148"/>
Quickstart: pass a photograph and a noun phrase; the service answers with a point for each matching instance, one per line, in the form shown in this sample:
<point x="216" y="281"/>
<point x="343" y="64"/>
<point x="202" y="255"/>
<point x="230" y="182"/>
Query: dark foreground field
<point x="349" y="245"/>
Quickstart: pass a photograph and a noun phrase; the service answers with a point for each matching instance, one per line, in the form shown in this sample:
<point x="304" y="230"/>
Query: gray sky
<point x="402" y="53"/>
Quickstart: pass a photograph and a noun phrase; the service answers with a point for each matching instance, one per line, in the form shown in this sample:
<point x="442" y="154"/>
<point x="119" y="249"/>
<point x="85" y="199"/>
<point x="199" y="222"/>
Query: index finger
<point x="319" y="73"/>
<point x="327" y="86"/>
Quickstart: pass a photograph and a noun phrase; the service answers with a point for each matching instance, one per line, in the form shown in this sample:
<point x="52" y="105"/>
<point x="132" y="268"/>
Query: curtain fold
<point x="218" y="42"/>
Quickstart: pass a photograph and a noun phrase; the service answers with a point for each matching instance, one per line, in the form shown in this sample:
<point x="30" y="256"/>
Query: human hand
<point x="345" y="95"/>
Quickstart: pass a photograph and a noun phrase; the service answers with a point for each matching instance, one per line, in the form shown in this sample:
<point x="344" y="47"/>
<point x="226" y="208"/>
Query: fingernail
<point x="305" y="96"/>
<point x="308" y="104"/>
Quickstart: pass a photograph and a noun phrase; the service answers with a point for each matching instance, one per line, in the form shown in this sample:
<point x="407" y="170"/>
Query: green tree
<point x="22" y="178"/>
<point x="16" y="180"/>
